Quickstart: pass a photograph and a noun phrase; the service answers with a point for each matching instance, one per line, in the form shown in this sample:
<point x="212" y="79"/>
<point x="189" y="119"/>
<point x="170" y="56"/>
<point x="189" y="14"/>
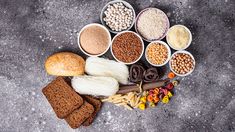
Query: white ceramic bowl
<point x="168" y="56"/>
<point x="142" y="52"/>
<point x="190" y="38"/>
<point x="136" y="26"/>
<point x="113" y="2"/>
<point x="186" y="52"/>
<point x="92" y="24"/>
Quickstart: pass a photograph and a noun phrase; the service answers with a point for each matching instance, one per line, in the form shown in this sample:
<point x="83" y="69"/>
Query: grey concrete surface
<point x="31" y="30"/>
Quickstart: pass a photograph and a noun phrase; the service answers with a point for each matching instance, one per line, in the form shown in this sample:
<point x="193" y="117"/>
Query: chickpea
<point x="182" y="63"/>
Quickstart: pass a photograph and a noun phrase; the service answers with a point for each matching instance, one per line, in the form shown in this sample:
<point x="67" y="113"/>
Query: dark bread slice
<point x="78" y="116"/>
<point x="97" y="105"/>
<point x="63" y="99"/>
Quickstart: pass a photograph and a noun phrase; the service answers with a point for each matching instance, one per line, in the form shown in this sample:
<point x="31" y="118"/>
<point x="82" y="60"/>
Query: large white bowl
<point x="186" y="52"/>
<point x="92" y="24"/>
<point x="190" y="37"/>
<point x="168" y="56"/>
<point x="113" y="2"/>
<point x="141" y="43"/>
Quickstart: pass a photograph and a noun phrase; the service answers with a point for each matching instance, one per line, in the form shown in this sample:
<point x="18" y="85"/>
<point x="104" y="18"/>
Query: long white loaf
<point x="91" y="85"/>
<point x="109" y="68"/>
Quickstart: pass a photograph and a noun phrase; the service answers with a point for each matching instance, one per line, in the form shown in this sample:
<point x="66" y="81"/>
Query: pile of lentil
<point x="127" y="47"/>
<point x="157" y="53"/>
<point x="182" y="63"/>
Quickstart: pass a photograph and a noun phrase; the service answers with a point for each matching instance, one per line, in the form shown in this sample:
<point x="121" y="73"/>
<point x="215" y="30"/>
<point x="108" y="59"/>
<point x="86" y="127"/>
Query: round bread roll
<point x="65" y="64"/>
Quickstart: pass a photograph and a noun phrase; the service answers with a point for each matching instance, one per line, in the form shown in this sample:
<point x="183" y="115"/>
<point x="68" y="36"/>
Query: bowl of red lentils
<point x="157" y="53"/>
<point x="182" y="63"/>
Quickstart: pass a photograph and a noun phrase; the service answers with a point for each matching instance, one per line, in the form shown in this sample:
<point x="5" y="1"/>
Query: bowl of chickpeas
<point x="157" y="53"/>
<point x="182" y="63"/>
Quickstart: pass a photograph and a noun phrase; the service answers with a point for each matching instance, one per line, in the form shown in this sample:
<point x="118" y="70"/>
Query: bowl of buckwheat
<point x="182" y="63"/>
<point x="118" y="16"/>
<point x="157" y="53"/>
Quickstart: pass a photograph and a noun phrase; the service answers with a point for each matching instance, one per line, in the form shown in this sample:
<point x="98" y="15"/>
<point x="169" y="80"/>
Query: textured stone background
<point x="31" y="30"/>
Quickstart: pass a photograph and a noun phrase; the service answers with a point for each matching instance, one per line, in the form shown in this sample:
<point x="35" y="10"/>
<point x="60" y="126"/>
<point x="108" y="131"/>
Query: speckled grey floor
<point x="31" y="30"/>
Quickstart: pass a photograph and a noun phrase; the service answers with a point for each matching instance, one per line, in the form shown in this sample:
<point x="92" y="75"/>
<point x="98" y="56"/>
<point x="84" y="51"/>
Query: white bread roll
<point x="65" y="64"/>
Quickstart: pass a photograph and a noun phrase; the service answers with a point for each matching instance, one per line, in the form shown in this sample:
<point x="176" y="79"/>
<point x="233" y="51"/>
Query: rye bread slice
<point x="96" y="104"/>
<point x="63" y="99"/>
<point x="78" y="116"/>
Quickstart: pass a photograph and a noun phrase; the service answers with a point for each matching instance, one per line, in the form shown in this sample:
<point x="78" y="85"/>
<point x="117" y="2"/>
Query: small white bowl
<point x="142" y="52"/>
<point x="89" y="25"/>
<point x="190" y="38"/>
<point x="136" y="26"/>
<point x="113" y="2"/>
<point x="168" y="56"/>
<point x="185" y="52"/>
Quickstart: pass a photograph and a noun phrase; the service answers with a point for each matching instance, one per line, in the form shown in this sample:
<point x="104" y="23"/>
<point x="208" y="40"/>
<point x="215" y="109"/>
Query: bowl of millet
<point x="182" y="63"/>
<point x="157" y="53"/>
<point x="118" y="16"/>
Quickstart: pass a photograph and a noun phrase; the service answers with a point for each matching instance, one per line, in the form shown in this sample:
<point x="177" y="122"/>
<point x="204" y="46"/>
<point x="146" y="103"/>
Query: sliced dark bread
<point x="63" y="99"/>
<point x="96" y="104"/>
<point x="77" y="117"/>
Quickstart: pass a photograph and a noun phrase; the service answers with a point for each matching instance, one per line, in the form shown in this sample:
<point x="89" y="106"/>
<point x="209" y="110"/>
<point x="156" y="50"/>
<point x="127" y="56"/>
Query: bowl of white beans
<point x="118" y="16"/>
